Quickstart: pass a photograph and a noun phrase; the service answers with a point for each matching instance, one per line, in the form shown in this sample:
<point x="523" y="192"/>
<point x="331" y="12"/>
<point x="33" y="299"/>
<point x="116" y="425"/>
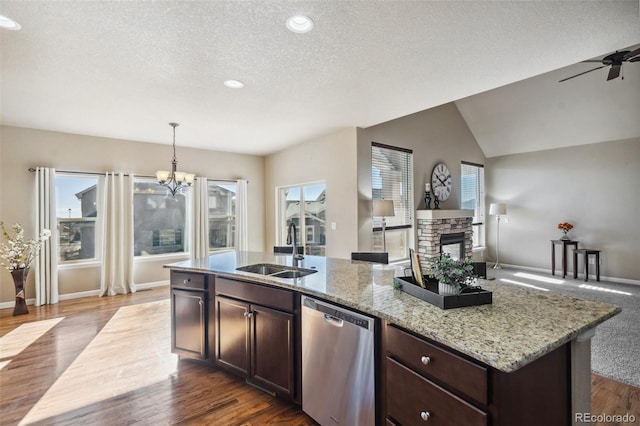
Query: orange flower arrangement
<point x="565" y="227"/>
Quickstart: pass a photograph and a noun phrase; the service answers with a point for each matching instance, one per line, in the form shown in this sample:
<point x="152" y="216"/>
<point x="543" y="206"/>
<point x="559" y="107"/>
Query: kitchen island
<point x="522" y="337"/>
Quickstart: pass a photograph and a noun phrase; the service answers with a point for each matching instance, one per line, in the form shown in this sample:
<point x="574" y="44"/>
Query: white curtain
<point x="46" y="264"/>
<point x="200" y="228"/>
<point x="116" y="276"/>
<point x="242" y="216"/>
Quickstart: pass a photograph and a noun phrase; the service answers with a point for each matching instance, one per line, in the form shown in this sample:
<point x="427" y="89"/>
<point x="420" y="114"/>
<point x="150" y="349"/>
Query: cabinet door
<point x="189" y="319"/>
<point x="272" y="350"/>
<point x="232" y="335"/>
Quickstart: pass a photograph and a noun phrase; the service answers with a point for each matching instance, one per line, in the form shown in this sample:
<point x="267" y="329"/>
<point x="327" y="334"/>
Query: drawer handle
<point x="425" y="415"/>
<point x="186" y="281"/>
<point x="425" y="360"/>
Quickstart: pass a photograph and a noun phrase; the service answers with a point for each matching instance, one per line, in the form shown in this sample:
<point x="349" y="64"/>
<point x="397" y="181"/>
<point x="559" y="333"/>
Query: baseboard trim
<point x="580" y="275"/>
<point x="89" y="293"/>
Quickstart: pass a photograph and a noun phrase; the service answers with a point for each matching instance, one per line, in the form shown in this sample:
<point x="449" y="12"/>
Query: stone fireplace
<point x="448" y="230"/>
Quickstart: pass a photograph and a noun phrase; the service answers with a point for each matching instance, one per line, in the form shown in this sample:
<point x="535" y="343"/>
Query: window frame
<point x="233" y="215"/>
<point x="186" y="231"/>
<point x="479" y="222"/>
<point x="97" y="220"/>
<point x="403" y="222"/>
<point x="281" y="226"/>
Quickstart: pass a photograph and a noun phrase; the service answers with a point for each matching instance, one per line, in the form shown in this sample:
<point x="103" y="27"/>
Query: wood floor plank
<point x="71" y="375"/>
<point x="192" y="394"/>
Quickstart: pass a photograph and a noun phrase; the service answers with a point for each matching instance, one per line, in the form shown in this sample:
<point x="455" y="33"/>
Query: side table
<point x="564" y="243"/>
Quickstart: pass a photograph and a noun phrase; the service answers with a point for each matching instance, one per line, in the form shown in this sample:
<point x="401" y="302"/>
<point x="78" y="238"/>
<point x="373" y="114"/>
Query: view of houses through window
<point x="159" y="220"/>
<point x="305" y="206"/>
<point x="222" y="214"/>
<point x="76" y="213"/>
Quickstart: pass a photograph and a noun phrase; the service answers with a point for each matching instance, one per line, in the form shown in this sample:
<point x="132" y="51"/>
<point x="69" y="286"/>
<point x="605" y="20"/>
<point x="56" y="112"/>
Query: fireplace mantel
<point x="442" y="214"/>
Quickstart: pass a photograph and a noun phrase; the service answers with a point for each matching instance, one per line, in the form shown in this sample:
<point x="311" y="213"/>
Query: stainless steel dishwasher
<point x="338" y="386"/>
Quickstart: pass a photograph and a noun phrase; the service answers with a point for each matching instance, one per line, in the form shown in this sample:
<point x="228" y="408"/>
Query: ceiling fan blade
<point x="636" y="59"/>
<point x="614" y="72"/>
<point x="578" y="75"/>
<point x="631" y="54"/>
<point x="594" y="60"/>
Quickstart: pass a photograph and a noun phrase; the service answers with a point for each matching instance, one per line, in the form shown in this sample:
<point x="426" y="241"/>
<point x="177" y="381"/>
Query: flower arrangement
<point x="17" y="253"/>
<point x="457" y="273"/>
<point x="565" y="227"/>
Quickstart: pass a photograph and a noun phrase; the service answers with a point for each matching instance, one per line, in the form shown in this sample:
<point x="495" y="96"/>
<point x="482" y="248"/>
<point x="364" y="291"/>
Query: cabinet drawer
<point x="412" y="399"/>
<point x="252" y="292"/>
<point x="425" y="358"/>
<point x="188" y="280"/>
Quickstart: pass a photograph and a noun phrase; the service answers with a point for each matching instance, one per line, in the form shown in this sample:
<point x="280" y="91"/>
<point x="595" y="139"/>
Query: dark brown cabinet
<point x="190" y="306"/>
<point x="257" y="341"/>
<point x="233" y="335"/>
<point x="189" y="325"/>
<point x="448" y="388"/>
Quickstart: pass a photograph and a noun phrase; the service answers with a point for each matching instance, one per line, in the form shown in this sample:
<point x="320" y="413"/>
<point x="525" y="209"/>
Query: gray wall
<point x="22" y="148"/>
<point x="594" y="187"/>
<point x="331" y="159"/>
<point x="435" y="135"/>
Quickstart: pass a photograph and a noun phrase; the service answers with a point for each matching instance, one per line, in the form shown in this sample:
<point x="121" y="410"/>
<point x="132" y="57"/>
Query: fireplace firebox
<point x="453" y="245"/>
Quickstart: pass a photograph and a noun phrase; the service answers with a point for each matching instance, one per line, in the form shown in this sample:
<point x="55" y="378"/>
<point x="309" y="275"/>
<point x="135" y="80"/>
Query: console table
<point x="564" y="243"/>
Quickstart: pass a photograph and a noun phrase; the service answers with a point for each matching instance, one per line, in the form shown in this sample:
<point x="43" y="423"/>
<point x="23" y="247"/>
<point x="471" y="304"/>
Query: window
<point x="305" y="206"/>
<point x="472" y="197"/>
<point x="392" y="179"/>
<point x="159" y="220"/>
<point x="222" y="215"/>
<point x="76" y="213"/>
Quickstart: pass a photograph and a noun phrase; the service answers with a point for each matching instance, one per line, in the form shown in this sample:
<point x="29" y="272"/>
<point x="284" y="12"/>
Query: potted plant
<point x="453" y="275"/>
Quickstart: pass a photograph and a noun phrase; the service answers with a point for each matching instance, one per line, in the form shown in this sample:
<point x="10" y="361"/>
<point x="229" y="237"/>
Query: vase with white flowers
<point x="17" y="255"/>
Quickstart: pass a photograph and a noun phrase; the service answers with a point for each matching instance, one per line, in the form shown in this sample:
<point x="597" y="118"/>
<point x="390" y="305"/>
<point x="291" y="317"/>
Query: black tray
<point x="447" y="301"/>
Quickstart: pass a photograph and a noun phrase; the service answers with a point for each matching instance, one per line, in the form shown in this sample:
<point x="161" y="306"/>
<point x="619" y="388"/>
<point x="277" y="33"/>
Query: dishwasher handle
<point x="338" y="314"/>
<point x="336" y="322"/>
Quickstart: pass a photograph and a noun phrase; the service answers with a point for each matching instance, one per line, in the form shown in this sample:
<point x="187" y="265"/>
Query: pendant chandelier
<point x="174" y="180"/>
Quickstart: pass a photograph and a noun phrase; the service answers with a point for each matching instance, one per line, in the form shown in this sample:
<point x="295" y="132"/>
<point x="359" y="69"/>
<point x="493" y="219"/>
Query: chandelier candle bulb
<point x="427" y="187"/>
<point x="162" y="175"/>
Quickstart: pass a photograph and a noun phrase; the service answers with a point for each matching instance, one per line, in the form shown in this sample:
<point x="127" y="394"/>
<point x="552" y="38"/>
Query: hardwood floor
<point x="107" y="361"/>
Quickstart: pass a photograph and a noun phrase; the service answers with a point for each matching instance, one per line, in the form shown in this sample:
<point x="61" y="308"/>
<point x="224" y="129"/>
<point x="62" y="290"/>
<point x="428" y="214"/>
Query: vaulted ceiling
<point x="126" y="69"/>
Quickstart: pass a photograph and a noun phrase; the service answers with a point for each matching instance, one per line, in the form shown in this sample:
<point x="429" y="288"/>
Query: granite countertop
<point x="518" y="327"/>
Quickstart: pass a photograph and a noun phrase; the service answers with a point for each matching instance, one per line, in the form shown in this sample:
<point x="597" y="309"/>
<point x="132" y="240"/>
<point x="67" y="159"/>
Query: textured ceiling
<point x="124" y="69"/>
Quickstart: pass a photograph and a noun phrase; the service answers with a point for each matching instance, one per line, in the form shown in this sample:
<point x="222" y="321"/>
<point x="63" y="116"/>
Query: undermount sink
<point x="278" y="271"/>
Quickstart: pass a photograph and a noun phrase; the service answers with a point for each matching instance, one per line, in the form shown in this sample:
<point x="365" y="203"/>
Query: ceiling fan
<point x="613" y="60"/>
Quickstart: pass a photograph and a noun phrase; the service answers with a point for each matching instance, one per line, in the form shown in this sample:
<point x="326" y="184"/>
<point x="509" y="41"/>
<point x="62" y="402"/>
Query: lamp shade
<point x="383" y="208"/>
<point x="498" y="209"/>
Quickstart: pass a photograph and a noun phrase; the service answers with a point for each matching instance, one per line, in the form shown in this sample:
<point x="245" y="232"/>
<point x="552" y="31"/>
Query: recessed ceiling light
<point x="8" y="23"/>
<point x="234" y="84"/>
<point x="299" y="24"/>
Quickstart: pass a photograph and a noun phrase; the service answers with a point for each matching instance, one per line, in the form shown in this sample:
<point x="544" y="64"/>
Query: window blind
<point x="392" y="179"/>
<point x="472" y="190"/>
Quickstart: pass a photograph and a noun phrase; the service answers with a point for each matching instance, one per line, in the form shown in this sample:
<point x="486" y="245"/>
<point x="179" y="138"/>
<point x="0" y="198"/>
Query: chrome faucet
<point x="291" y="239"/>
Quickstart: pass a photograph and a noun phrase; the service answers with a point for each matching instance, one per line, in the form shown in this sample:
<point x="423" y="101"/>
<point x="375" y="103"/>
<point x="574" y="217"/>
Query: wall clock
<point x="441" y="181"/>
